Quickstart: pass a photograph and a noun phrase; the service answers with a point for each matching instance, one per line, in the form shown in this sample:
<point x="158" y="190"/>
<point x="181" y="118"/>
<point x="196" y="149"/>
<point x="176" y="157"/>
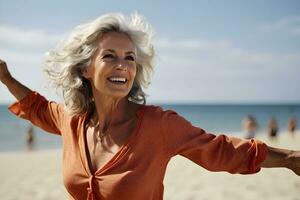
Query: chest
<point x="101" y="152"/>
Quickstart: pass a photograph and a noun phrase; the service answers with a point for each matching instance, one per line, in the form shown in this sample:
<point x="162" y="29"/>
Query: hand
<point x="294" y="162"/>
<point x="278" y="157"/>
<point x="4" y="73"/>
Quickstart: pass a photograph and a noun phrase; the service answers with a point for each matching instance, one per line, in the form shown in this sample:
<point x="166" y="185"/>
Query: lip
<point x="117" y="83"/>
<point x="118" y="76"/>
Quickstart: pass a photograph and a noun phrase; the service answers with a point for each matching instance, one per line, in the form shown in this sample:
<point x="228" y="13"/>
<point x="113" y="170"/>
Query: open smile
<point x="117" y="80"/>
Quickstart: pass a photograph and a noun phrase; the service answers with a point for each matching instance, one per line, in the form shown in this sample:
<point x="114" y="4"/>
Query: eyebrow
<point x="113" y="51"/>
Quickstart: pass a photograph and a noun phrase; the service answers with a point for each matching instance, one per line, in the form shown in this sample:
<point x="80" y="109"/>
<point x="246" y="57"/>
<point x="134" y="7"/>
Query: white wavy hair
<point x="65" y="63"/>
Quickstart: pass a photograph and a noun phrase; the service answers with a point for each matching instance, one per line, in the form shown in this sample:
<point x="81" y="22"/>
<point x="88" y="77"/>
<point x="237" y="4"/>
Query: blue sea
<point x="212" y="118"/>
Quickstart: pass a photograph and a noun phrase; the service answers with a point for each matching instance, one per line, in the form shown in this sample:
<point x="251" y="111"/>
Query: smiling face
<point x="113" y="67"/>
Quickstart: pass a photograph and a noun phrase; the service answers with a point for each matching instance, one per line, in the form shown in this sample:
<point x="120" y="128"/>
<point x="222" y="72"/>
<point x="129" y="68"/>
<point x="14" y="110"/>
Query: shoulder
<point x="157" y="112"/>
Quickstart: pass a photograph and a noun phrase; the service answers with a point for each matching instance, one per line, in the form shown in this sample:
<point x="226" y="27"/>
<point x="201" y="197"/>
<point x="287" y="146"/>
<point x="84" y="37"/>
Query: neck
<point x="110" y="111"/>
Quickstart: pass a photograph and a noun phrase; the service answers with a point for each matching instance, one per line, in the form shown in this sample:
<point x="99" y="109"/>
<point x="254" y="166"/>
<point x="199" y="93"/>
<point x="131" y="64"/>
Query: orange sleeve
<point x="215" y="153"/>
<point x="42" y="113"/>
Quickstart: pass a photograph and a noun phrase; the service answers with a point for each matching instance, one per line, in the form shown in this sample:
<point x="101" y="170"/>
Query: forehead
<point x="116" y="41"/>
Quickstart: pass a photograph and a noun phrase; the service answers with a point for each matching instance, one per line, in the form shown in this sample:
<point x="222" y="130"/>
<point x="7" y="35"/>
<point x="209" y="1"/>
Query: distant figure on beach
<point x="292" y="125"/>
<point x="30" y="138"/>
<point x="115" y="146"/>
<point x="250" y="126"/>
<point x="272" y="129"/>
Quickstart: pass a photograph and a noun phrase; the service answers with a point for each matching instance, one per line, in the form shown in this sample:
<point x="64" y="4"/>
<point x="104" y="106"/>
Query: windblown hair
<point x="65" y="63"/>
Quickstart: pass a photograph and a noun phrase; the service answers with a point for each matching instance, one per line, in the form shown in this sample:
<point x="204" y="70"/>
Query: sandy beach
<point x="38" y="176"/>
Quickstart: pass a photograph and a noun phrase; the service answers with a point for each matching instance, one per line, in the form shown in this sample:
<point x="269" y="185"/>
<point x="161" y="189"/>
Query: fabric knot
<point x="91" y="195"/>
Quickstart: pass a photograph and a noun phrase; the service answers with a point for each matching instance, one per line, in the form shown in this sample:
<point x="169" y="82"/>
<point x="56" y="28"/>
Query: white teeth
<point x="117" y="79"/>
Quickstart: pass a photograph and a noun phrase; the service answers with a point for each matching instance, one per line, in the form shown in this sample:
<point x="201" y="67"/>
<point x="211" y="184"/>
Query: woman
<point x="114" y="146"/>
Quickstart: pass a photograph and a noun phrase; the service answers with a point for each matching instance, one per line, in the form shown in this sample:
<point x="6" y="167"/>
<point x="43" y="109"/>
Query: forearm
<point x="277" y="157"/>
<point x="17" y="89"/>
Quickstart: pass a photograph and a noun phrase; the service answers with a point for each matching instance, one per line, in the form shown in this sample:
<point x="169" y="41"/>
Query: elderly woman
<point x="115" y="146"/>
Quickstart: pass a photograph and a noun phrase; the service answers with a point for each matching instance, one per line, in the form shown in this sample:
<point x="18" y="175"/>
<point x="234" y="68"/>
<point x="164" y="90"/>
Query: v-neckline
<point x="85" y="155"/>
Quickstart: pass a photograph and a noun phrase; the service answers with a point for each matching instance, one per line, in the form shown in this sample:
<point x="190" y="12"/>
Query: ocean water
<point x="217" y="119"/>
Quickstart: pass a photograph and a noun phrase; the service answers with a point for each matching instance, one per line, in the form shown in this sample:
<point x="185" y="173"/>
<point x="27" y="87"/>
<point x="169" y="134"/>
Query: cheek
<point x="133" y="71"/>
<point x="99" y="74"/>
<point x="102" y="69"/>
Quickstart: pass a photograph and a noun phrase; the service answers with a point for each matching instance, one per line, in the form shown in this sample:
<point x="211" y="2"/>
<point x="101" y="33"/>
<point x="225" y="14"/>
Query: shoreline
<point x="261" y="135"/>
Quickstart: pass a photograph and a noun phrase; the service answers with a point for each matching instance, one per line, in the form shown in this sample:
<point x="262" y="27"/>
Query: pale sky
<point x="224" y="51"/>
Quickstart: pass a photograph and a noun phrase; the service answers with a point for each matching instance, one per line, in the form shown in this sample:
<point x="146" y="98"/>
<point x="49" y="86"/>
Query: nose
<point x="121" y="65"/>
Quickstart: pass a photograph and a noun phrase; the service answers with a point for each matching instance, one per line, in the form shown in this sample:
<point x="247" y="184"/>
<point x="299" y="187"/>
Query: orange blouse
<point x="137" y="170"/>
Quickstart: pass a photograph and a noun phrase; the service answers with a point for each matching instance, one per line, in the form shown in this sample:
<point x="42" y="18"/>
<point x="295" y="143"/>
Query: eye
<point x="131" y="58"/>
<point x="108" y="56"/>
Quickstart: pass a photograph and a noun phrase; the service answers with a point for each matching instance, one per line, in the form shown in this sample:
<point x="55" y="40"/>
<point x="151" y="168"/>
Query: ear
<point x="86" y="72"/>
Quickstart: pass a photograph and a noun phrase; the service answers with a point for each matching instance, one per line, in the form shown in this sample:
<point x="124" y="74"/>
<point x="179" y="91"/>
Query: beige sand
<point x="38" y="176"/>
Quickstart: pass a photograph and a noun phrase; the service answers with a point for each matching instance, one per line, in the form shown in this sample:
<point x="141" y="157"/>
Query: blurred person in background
<point x="292" y="125"/>
<point x="30" y="138"/>
<point x="250" y="126"/>
<point x="272" y="129"/>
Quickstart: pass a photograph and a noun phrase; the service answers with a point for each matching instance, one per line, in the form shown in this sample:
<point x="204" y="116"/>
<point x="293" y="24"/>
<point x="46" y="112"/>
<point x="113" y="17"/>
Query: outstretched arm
<point x="277" y="157"/>
<point x="221" y="152"/>
<point x="15" y="87"/>
<point x="31" y="106"/>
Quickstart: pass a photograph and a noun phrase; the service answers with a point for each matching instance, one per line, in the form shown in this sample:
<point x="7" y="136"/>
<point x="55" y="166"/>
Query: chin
<point x="113" y="91"/>
<point x="118" y="94"/>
